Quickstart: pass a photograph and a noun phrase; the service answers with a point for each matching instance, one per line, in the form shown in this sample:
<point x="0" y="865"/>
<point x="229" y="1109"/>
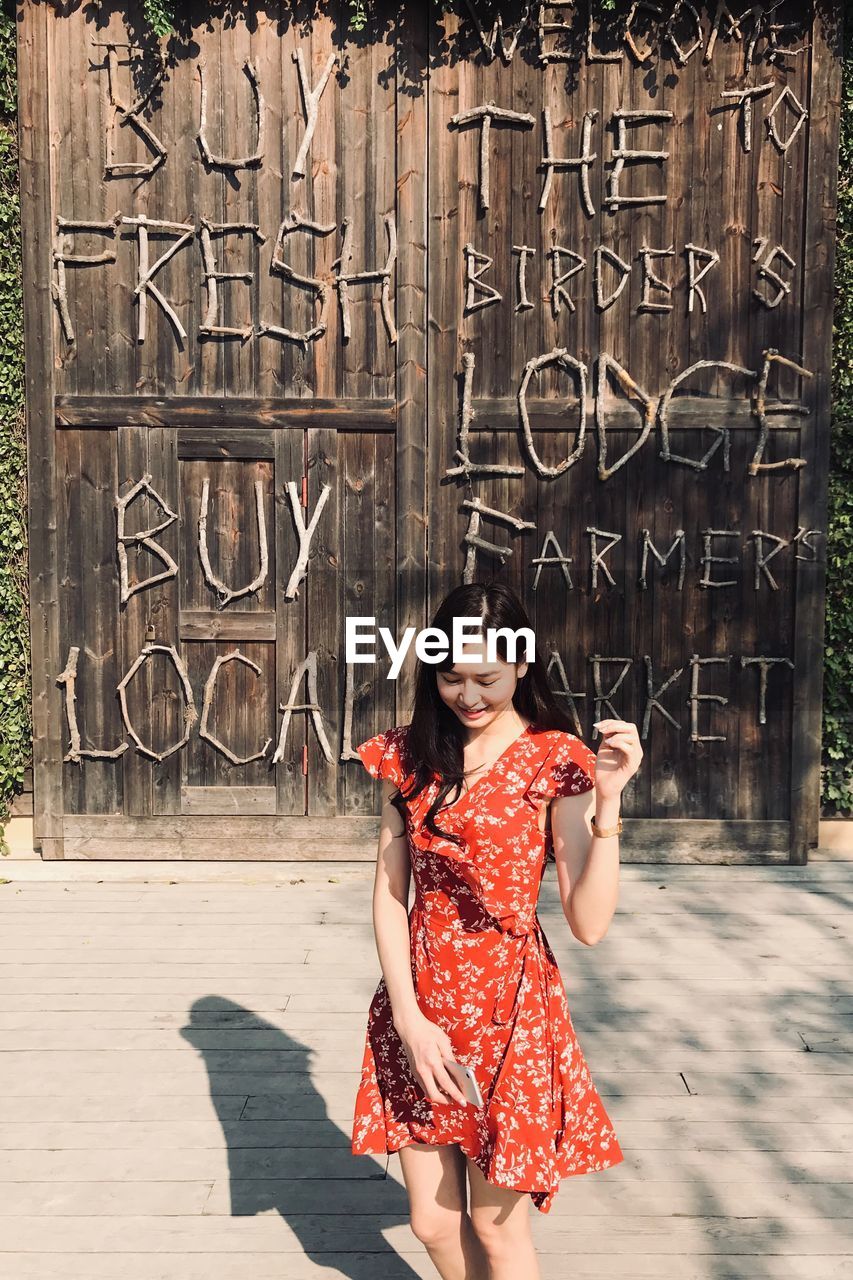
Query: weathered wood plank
<point x="34" y="129"/>
<point x="235" y="412"/>
<point x="818" y="250"/>
<point x="236" y="624"/>
<point x="640" y="833"/>
<point x="408" y="522"/>
<point x="290" y="622"/>
<point x="324" y="595"/>
<point x="236" y="800"/>
<point x="137" y="627"/>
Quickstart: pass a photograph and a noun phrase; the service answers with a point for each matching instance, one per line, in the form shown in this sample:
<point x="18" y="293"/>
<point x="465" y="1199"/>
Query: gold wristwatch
<point x="607" y="831"/>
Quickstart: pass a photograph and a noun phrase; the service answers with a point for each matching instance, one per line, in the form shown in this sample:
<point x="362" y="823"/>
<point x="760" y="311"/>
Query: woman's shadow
<point x="285" y="1153"/>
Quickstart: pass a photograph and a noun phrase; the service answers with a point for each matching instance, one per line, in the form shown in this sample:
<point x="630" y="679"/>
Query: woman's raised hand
<point x="618" y="757"/>
<point x="426" y="1046"/>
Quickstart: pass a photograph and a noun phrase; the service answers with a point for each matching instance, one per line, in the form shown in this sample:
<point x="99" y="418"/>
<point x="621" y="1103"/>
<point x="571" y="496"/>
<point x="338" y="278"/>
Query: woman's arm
<point x="587" y="865"/>
<point x="391" y="908"/>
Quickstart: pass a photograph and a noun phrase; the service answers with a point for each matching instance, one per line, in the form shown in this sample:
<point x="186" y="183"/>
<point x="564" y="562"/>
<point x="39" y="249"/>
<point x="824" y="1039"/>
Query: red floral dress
<point x="484" y="971"/>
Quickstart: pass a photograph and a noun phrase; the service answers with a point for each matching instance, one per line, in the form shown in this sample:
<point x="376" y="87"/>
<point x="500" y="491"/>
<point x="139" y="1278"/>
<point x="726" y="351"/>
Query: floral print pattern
<point x="484" y="971"/>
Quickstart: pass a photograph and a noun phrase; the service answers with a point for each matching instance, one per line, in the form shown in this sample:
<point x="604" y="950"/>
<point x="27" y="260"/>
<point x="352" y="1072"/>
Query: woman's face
<point x="479" y="692"/>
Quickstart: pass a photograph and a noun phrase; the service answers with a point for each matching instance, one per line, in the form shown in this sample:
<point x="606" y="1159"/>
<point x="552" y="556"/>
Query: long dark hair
<point x="436" y="739"/>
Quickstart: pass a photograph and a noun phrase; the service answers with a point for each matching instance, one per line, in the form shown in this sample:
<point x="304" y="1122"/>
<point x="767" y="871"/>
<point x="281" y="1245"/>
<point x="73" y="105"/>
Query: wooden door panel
<point x="394" y="290"/>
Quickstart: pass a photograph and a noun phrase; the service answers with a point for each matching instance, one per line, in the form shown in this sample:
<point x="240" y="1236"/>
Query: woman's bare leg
<point x="435" y="1182"/>
<point x="501" y="1220"/>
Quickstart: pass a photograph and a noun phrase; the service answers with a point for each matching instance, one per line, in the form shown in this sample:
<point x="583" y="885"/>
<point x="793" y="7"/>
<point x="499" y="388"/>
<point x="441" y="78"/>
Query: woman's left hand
<point x="618" y="757"/>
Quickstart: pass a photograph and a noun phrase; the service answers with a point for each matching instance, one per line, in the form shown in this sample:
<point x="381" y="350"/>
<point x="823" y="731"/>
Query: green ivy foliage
<point x="837" y="769"/>
<point x="358" y="15"/>
<point x="160" y="15"/>
<point x="15" y="725"/>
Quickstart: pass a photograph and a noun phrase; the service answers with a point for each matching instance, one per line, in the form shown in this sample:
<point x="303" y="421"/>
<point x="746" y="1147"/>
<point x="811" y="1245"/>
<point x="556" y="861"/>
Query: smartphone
<point x="466" y="1080"/>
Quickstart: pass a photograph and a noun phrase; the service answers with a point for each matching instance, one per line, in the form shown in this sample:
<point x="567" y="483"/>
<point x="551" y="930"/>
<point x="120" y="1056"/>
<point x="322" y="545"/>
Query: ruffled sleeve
<point x="383" y="755"/>
<point x="567" y="770"/>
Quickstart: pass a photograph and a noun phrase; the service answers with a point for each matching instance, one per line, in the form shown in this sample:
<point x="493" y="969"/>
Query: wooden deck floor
<point x="179" y="1063"/>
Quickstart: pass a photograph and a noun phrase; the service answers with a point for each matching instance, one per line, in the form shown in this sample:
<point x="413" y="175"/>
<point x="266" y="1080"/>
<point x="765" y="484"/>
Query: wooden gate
<point x="321" y="323"/>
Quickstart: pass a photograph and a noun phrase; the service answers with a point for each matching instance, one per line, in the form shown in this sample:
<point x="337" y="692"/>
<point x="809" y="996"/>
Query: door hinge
<point x="305" y="760"/>
<point x="305" y="491"/>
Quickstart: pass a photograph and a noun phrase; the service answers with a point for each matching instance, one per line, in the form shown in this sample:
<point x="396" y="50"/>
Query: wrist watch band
<point x="607" y="831"/>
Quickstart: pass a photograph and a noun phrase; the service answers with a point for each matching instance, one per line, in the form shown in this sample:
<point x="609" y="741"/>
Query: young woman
<point x="468" y="975"/>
